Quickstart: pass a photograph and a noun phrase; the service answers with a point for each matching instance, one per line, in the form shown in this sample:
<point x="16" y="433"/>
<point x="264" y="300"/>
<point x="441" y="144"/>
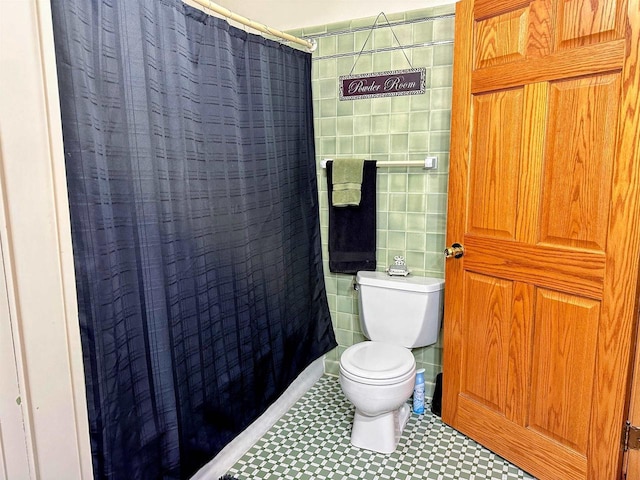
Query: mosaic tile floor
<point x="311" y="442"/>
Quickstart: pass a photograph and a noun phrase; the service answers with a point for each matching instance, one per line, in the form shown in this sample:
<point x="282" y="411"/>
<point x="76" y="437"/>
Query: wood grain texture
<point x="571" y="317"/>
<point x="492" y="8"/>
<point x="533" y="452"/>
<point x="589" y="60"/>
<point x="540" y="29"/>
<point x="501" y="39"/>
<point x="619" y="318"/>
<point x="530" y="181"/>
<point x="497" y="119"/>
<point x="520" y="347"/>
<point x="457" y="190"/>
<point x="515" y="35"/>
<point x="580" y="139"/>
<point x="564" y="348"/>
<point x="486" y="339"/>
<point x="562" y="269"/>
<point x="583" y="23"/>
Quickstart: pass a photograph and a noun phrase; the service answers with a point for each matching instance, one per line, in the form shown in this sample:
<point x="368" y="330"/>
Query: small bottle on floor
<point x="418" y="393"/>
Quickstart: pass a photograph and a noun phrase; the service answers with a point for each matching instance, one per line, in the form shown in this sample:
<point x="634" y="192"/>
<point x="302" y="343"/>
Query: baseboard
<point x="230" y="454"/>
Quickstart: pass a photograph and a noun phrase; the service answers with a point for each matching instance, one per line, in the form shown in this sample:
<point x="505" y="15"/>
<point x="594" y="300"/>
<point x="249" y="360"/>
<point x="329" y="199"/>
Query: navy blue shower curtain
<point x="193" y="200"/>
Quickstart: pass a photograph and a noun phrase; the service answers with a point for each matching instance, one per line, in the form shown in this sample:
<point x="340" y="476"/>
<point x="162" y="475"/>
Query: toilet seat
<point x="377" y="363"/>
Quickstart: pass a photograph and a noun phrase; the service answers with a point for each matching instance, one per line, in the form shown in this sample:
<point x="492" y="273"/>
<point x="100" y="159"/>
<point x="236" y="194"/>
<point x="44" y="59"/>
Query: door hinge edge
<point x="631" y="437"/>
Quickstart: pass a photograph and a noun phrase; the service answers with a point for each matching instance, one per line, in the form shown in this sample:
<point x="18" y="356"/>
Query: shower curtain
<point x="193" y="200"/>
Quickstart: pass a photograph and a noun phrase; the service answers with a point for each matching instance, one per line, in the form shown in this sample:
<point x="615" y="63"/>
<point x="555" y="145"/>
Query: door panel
<point x="488" y="338"/>
<point x="585" y="22"/>
<point x="511" y="29"/>
<point x="544" y="190"/>
<point x="494" y="183"/>
<point x="565" y="329"/>
<point x="580" y="142"/>
<point x="494" y="178"/>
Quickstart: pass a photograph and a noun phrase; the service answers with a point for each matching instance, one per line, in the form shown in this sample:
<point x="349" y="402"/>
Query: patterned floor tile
<point x="312" y="442"/>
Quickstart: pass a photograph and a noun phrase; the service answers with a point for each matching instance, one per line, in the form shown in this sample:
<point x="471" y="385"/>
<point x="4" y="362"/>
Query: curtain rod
<point x="429" y="163"/>
<point x="207" y="4"/>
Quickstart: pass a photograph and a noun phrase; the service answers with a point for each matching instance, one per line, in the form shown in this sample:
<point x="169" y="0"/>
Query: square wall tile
<point x="345" y="145"/>
<point x="328" y="127"/>
<point x="399" y="143"/>
<point x="382" y="38"/>
<point x="346" y="43"/>
<point x="401" y="104"/>
<point x="382" y="62"/>
<point x="361" y="125"/>
<point x="379" y="144"/>
<point x="328" y="88"/>
<point x="404" y="34"/>
<point x="416" y="202"/>
<point x="419" y="122"/>
<point x="423" y="32"/>
<point x="442" y="76"/>
<point x="328" y="108"/>
<point x="416" y="222"/>
<point x="345" y="126"/>
<point x="380" y="124"/>
<point x="416" y="241"/>
<point x="327" y="46"/>
<point x="398" y="182"/>
<point x="398" y="204"/>
<point x="416" y="184"/>
<point x="443" y="54"/>
<point x="422" y="57"/>
<point x="344" y="108"/>
<point x="344" y="65"/>
<point x="327" y="68"/>
<point x="440" y="120"/>
<point x="399" y="122"/>
<point x="361" y="106"/>
<point x="381" y="105"/>
<point x="361" y="145"/>
<point x="363" y="64"/>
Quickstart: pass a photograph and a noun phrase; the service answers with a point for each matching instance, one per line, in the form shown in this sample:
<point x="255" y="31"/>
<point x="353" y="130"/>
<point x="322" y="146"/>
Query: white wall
<point x="290" y="14"/>
<point x="43" y="416"/>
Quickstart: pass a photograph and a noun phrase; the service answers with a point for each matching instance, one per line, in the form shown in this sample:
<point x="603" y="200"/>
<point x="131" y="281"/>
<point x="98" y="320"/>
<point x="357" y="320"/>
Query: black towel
<point x="352" y="229"/>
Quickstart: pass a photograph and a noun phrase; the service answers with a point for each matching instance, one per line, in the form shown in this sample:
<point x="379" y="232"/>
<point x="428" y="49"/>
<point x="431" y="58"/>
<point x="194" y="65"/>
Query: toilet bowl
<point x="378" y="379"/>
<point x="377" y="376"/>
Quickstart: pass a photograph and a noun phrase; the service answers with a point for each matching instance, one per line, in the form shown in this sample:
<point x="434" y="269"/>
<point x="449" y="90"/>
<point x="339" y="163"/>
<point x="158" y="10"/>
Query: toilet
<point x="377" y="376"/>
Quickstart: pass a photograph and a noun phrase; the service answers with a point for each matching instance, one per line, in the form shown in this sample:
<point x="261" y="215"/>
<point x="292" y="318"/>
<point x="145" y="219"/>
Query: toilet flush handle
<point x="455" y="250"/>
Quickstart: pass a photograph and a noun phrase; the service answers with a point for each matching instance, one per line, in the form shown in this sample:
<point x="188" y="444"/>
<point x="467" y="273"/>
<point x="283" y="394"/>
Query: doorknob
<point x="455" y="250"/>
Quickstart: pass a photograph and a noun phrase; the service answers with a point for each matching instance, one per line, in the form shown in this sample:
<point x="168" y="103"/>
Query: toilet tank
<point x="405" y="311"/>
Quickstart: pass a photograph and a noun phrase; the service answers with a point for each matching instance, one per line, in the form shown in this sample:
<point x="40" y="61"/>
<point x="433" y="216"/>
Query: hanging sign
<point x="383" y="84"/>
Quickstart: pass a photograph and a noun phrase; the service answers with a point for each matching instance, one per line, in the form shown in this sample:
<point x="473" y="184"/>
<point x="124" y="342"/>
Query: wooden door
<point x="544" y="195"/>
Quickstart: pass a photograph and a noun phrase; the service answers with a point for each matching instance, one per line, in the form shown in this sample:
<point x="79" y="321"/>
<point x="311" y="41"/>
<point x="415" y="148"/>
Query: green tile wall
<point x="411" y="202"/>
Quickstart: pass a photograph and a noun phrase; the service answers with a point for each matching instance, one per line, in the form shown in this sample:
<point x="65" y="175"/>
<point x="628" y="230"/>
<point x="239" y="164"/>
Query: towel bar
<point x="429" y="163"/>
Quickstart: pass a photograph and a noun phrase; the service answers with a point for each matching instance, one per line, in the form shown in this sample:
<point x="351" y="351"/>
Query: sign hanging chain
<point x="369" y="35"/>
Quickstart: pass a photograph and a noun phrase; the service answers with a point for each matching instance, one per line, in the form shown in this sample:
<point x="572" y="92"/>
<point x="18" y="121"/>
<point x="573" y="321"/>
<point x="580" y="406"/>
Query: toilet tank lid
<point x="411" y="283"/>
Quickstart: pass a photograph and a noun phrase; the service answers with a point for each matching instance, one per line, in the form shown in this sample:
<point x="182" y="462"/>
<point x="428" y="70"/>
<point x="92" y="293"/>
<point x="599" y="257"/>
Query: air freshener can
<point x="418" y="393"/>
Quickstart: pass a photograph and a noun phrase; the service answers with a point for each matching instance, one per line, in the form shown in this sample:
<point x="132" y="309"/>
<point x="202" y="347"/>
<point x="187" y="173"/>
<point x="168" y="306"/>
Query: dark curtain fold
<point x="193" y="200"/>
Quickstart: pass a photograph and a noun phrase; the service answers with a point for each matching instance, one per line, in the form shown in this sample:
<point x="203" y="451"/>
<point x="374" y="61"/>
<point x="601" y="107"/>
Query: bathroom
<point x="411" y="202"/>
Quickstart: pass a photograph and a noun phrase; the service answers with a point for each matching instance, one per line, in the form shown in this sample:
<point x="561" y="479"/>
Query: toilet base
<point x="380" y="433"/>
